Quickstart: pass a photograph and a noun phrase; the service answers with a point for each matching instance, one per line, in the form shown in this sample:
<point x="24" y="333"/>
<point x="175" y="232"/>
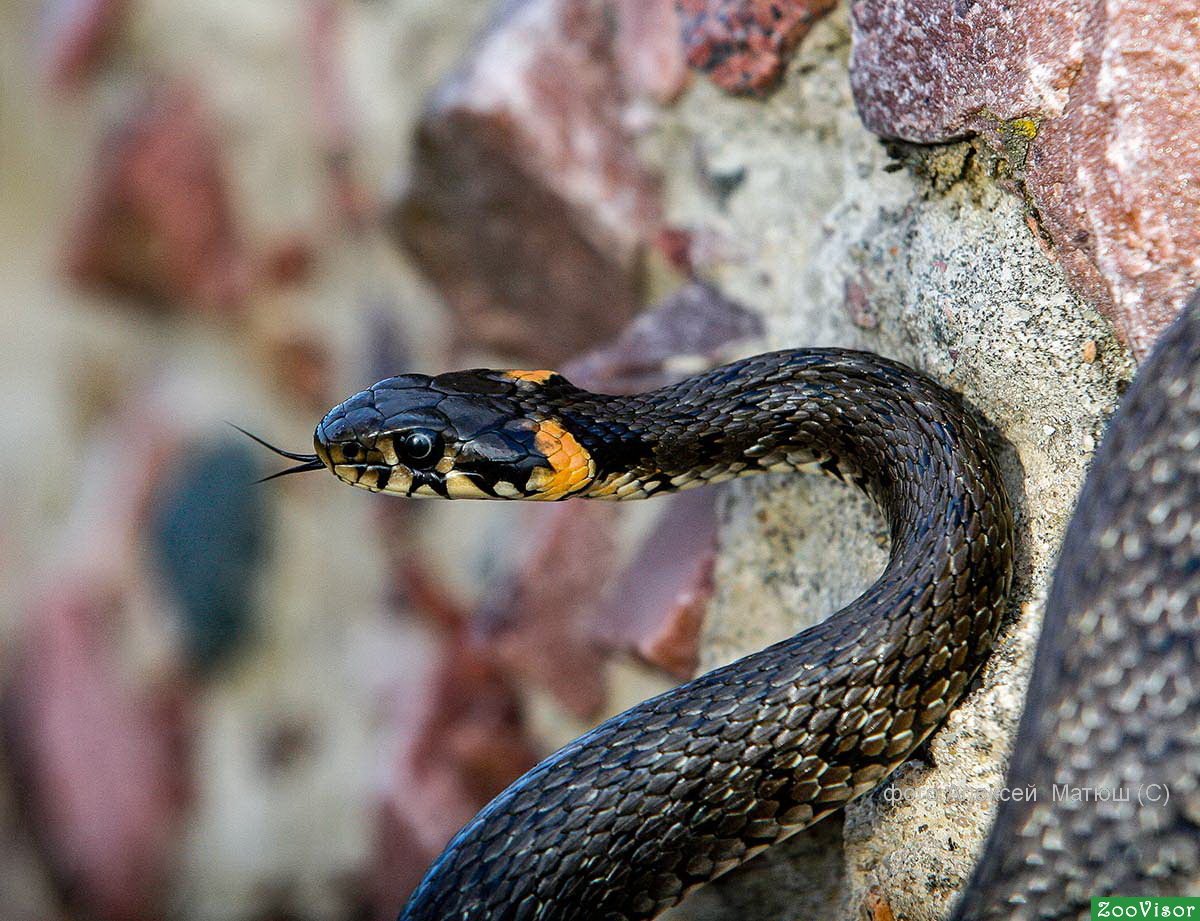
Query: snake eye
<point x="419" y="449"/>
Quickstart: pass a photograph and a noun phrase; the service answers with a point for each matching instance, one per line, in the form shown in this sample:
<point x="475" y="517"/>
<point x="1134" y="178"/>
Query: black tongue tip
<point x="313" y="464"/>
<point x="290" y="455"/>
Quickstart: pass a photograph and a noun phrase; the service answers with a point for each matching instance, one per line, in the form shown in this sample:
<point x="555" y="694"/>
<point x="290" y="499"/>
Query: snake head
<point x="465" y="435"/>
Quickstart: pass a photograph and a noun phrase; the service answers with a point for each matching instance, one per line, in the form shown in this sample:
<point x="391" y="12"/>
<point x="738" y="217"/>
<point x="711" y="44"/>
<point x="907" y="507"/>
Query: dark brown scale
<point x="623" y="822"/>
<point x="1114" y="701"/>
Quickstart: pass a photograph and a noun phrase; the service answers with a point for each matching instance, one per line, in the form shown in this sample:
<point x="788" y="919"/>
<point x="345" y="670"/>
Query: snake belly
<point x="626" y="820"/>
<point x="1109" y="742"/>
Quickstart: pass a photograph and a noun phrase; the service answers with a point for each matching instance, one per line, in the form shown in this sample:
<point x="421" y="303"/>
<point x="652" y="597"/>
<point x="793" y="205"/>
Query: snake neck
<point x="898" y="437"/>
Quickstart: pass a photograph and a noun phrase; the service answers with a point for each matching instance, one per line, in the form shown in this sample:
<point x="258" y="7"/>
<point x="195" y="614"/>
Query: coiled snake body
<point x="623" y="822"/>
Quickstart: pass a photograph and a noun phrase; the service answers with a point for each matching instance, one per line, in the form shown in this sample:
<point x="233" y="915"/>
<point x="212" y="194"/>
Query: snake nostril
<point x="351" y="451"/>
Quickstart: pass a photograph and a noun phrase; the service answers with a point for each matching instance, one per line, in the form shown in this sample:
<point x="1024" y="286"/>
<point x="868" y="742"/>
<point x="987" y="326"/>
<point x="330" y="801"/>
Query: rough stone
<point x="1116" y="178"/>
<point x="160" y="224"/>
<point x="461" y="738"/>
<point x="1102" y="98"/>
<point x="535" y="618"/>
<point x="824" y="230"/>
<point x="650" y="58"/>
<point x="527" y="205"/>
<point x="692" y="327"/>
<point x="334" y="116"/>
<point x="76" y="34"/>
<point x="743" y="45"/>
<point x="94" y="735"/>
<point x="928" y="71"/>
<point x="471" y="734"/>
<point x="84" y="735"/>
<point x="656" y="607"/>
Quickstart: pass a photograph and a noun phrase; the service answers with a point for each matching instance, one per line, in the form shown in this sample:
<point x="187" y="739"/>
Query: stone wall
<point x="248" y="210"/>
<point x="956" y="186"/>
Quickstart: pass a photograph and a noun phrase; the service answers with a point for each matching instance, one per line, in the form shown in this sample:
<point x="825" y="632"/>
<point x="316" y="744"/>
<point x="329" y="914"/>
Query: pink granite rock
<point x="648" y="50"/>
<point x="527" y="205"/>
<point x="75" y="36"/>
<point x="471" y="732"/>
<point x="334" y="114"/>
<point x="743" y="45"/>
<point x="158" y="221"/>
<point x="1103" y="93"/>
<point x="95" y="740"/>
<point x="459" y="730"/>
<point x="536" y="619"/>
<point x="398" y="861"/>
<point x="1117" y="177"/>
<point x="694" y="325"/>
<point x="102" y="770"/>
<point x="460" y="738"/>
<point x="655" y="609"/>
<point x="931" y="70"/>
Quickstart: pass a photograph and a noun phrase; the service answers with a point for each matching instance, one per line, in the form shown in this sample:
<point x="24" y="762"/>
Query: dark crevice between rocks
<point x="999" y="155"/>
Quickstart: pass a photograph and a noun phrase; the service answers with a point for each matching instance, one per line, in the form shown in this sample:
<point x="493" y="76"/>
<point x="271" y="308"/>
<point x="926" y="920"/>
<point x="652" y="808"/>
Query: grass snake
<point x="623" y="822"/>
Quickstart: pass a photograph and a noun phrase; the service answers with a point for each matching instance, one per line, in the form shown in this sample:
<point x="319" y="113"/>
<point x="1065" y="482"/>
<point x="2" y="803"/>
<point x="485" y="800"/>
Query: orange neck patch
<point x="571" y="466"/>
<point x="535" y="377"/>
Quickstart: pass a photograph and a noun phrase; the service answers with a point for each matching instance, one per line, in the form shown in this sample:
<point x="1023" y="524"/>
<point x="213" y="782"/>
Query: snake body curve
<point x="623" y="822"/>
<point x="1109" y="741"/>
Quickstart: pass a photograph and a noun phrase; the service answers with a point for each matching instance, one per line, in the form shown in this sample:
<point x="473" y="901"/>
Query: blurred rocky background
<point x="254" y="703"/>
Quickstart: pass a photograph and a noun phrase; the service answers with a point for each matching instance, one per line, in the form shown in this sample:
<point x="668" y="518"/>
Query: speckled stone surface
<point x="927" y="70"/>
<point x="928" y="259"/>
<point x="743" y="45"/>
<point x="1104" y="94"/>
<point x="1117" y="177"/>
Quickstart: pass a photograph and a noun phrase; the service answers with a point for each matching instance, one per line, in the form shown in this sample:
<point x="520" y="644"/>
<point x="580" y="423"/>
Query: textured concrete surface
<point x="925" y="257"/>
